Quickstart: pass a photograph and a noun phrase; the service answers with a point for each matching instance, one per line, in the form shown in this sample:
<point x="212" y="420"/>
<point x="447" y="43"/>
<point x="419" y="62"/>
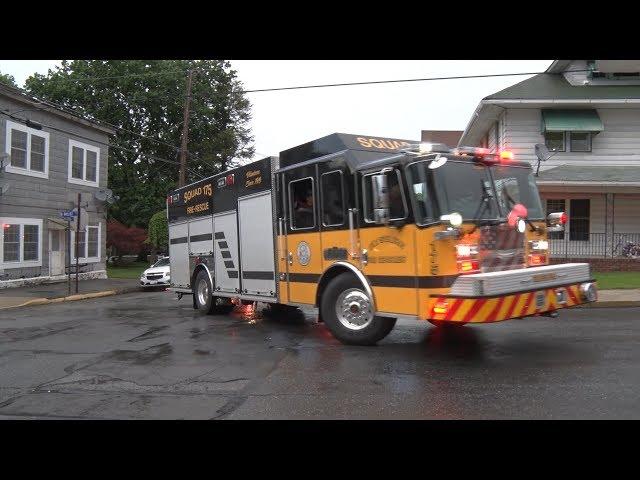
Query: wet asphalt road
<point x="148" y="356"/>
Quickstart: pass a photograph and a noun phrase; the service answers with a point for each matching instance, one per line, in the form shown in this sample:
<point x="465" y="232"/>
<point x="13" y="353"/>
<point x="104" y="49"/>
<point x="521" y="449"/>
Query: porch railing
<point x="596" y="245"/>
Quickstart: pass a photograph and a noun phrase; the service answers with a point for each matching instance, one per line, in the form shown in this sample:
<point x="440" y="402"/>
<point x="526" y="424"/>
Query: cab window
<point x="301" y="196"/>
<point x="397" y="201"/>
<point x="332" y="188"/>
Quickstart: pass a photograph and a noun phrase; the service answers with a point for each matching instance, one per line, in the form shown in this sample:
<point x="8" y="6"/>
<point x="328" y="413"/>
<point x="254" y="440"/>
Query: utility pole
<point x="77" y="238"/>
<point x="185" y="132"/>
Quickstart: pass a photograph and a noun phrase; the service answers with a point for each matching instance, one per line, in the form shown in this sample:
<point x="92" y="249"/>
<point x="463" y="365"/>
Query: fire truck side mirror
<point x="380" y="198"/>
<point x="556" y="221"/>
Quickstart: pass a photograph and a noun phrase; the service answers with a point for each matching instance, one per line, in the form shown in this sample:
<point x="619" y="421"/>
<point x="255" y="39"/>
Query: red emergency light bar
<point x="485" y="154"/>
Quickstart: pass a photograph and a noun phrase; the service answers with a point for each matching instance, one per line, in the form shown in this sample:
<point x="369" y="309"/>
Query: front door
<point x="56" y="252"/>
<point x="390" y="265"/>
<point x="304" y="251"/>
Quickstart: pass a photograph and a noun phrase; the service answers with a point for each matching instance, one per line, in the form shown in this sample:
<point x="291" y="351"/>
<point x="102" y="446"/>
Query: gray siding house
<point x="48" y="157"/>
<point x="589" y="112"/>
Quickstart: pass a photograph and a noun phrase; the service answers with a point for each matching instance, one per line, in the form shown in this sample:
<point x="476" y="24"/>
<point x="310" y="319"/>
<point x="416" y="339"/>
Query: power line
<point x="152" y="157"/>
<point x="377" y="82"/>
<point x="71" y="111"/>
<point x="114" y="77"/>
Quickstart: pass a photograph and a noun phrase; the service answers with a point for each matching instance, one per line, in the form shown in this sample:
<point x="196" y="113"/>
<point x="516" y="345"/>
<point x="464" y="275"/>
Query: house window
<point x="11" y="243"/>
<point x="28" y="149"/>
<point x="556" y="206"/>
<point x="554" y="141"/>
<point x="88" y="244"/>
<point x="20" y="241"/>
<point x="301" y="195"/>
<point x="84" y="163"/>
<point x="332" y="199"/>
<point x="580" y="141"/>
<point x="579" y="220"/>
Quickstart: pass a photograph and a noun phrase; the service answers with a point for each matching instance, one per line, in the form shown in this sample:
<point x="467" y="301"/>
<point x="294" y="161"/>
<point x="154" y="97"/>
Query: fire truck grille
<point x="501" y="248"/>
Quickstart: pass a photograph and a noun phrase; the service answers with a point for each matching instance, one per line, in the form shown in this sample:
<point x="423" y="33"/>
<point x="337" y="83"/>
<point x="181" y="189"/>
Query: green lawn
<point x="607" y="280"/>
<point x="128" y="271"/>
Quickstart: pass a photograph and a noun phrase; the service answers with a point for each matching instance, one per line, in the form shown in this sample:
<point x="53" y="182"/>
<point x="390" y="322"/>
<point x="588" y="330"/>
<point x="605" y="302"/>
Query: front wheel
<point x="347" y="311"/>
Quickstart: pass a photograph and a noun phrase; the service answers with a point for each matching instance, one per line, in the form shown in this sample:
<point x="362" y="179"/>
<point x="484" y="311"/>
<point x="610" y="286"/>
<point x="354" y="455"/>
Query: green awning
<point x="571" y="121"/>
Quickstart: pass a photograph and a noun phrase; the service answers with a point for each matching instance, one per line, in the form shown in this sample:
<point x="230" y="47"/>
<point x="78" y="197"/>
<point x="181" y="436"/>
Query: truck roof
<point x="357" y="149"/>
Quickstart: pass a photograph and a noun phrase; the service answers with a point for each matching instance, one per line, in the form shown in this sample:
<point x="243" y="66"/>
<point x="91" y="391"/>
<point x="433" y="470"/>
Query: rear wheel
<point x="347" y="311"/>
<point x="204" y="301"/>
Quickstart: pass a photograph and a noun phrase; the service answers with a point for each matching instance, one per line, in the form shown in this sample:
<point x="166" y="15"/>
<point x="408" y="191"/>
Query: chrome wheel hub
<point x="203" y="292"/>
<point x="353" y="309"/>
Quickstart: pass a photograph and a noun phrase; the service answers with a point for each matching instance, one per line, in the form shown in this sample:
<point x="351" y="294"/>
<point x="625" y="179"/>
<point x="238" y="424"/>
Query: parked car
<point x="158" y="275"/>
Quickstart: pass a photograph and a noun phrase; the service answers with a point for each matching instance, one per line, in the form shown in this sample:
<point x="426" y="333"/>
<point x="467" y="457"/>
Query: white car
<point x="158" y="275"/>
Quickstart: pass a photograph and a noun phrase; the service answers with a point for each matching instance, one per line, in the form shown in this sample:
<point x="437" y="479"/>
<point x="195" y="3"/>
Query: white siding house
<point x="589" y="112"/>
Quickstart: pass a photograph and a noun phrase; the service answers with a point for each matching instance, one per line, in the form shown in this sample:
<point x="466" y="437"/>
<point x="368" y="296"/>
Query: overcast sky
<point x="287" y="118"/>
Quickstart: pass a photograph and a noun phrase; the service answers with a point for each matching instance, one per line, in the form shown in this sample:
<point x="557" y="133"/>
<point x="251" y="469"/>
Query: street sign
<point x="68" y="214"/>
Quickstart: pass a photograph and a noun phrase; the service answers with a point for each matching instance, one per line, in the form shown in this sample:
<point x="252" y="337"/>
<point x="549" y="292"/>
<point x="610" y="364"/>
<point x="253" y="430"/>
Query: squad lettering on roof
<point x="382" y="143"/>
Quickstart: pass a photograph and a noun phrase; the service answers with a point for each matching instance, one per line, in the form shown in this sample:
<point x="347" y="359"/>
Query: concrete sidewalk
<point x="627" y="297"/>
<point x="58" y="292"/>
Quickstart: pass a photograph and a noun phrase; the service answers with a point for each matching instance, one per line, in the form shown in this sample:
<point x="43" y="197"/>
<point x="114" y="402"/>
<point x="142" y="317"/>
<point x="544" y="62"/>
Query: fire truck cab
<point x="369" y="229"/>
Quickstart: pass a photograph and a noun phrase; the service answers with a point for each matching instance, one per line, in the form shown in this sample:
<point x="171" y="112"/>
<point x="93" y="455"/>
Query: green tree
<point x="147" y="98"/>
<point x="158" y="231"/>
<point x="8" y="79"/>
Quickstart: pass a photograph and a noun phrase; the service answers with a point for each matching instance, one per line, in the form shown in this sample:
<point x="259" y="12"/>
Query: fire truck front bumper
<point x="490" y="297"/>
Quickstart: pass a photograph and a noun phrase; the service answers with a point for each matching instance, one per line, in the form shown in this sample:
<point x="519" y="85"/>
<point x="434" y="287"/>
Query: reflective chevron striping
<point x="496" y="309"/>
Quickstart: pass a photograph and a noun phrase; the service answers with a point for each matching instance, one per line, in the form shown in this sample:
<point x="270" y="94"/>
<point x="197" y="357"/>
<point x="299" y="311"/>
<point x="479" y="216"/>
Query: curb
<point x="72" y="298"/>
<point x="612" y="304"/>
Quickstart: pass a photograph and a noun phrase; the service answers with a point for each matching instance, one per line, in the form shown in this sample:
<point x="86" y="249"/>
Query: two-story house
<point x="48" y="157"/>
<point x="587" y="113"/>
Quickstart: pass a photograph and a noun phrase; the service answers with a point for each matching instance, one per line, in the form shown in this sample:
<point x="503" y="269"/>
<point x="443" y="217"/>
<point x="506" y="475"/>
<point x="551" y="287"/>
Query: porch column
<point x="609" y="226"/>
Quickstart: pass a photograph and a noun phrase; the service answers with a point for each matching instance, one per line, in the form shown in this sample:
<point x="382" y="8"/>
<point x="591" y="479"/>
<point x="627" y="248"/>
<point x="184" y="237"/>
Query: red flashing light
<point x="441" y="307"/>
<point x="563" y="218"/>
<point x="5" y="225"/>
<point x="466" y="266"/>
<point x="230" y="179"/>
<point x="506" y="155"/>
<point x="537" y="259"/>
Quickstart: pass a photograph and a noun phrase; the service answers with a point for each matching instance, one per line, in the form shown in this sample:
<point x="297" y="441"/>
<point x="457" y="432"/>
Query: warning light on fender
<point x="506" y="155"/>
<point x="441" y="307"/>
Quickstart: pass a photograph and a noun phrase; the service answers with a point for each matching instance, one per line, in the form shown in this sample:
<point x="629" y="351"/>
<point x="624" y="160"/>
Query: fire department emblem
<point x="304" y="253"/>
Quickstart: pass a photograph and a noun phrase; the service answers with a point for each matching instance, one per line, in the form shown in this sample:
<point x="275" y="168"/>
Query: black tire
<point x="376" y="329"/>
<point x="208" y="305"/>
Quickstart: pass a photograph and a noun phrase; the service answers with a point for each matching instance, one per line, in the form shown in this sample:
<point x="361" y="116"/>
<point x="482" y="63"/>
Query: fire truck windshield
<point x="481" y="194"/>
<point x="517" y="185"/>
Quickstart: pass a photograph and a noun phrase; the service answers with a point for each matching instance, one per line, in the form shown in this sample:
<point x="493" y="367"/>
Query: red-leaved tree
<point x="125" y="240"/>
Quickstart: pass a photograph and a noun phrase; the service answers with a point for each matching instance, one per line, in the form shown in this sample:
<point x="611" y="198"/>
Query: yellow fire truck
<point x="368" y="230"/>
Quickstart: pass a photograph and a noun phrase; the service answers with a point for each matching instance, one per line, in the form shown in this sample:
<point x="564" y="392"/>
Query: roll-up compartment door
<point x="225" y="244"/>
<point x="179" y="254"/>
<point x="201" y="236"/>
<point x="257" y="264"/>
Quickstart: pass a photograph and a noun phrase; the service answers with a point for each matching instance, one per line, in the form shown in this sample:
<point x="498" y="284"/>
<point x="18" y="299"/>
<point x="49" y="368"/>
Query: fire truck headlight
<point x="539" y="245"/>
<point x="454" y="219"/>
<point x="588" y="292"/>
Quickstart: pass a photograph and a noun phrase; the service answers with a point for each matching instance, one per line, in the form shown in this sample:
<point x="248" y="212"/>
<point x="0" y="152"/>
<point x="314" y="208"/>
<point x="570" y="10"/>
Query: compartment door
<point x="201" y="236"/>
<point x="256" y="245"/>
<point x="179" y="254"/>
<point x="225" y="244"/>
